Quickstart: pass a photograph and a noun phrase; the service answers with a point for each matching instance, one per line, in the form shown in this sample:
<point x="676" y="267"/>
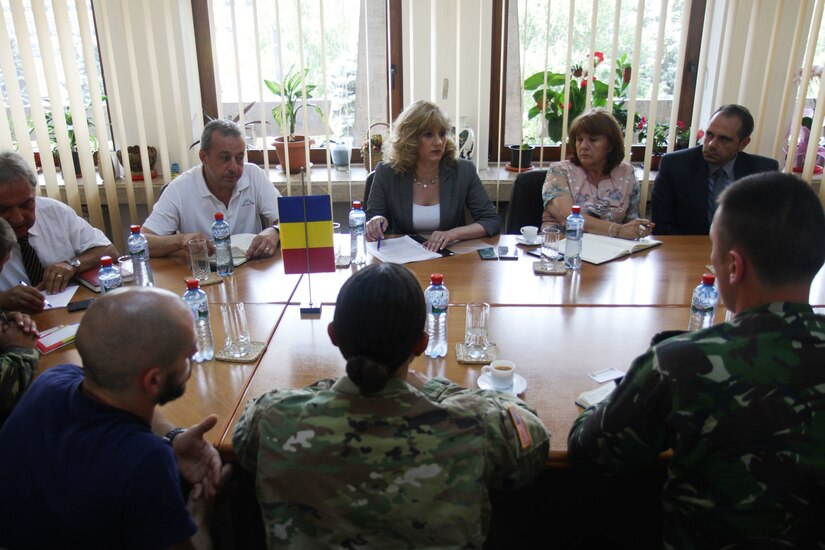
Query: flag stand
<point x="309" y="310"/>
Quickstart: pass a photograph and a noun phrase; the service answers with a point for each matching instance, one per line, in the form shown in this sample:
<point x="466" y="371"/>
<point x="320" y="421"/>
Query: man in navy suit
<point x="689" y="181"/>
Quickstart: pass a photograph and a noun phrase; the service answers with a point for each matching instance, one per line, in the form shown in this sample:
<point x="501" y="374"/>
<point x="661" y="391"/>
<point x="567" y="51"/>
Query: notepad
<point x="593" y="397"/>
<point x="57" y="337"/>
<point x="598" y="249"/>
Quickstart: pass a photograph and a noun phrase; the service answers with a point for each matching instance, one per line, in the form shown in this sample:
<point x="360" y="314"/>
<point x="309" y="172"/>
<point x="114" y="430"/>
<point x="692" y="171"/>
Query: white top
<point x="426" y="218"/>
<point x="57" y="235"/>
<point x="187" y="205"/>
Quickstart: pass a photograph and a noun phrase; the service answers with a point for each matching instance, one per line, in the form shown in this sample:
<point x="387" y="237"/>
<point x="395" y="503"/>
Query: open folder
<point x="598" y="249"/>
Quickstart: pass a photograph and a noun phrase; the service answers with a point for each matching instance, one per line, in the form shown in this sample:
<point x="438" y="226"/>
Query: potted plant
<point x="67" y="115"/>
<point x="660" y="135"/>
<point x="549" y="91"/>
<point x="291" y="91"/>
<point x="521" y="156"/>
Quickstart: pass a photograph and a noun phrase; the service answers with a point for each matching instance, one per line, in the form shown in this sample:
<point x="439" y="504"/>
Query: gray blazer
<point x="391" y="196"/>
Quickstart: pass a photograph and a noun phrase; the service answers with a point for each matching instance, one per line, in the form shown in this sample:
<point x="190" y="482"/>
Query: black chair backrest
<point x="367" y="187"/>
<point x="525" y="201"/>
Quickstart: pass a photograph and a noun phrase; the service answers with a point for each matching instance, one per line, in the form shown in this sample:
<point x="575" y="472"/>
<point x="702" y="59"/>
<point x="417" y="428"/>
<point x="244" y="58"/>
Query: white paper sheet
<point x="61" y="299"/>
<point x="401" y="250"/>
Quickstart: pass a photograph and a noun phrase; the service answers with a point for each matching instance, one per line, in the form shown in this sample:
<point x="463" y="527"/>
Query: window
<point x="540" y="44"/>
<point x="344" y="55"/>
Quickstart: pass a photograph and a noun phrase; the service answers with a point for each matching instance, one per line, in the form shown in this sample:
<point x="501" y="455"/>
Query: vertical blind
<point x="53" y="68"/>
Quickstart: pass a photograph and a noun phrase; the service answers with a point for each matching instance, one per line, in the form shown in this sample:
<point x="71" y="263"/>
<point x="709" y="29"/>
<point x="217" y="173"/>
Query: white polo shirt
<point x="57" y="235"/>
<point x="187" y="205"/>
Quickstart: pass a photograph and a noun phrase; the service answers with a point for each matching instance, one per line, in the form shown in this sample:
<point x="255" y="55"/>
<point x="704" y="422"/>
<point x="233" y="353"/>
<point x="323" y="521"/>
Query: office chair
<point x="525" y="201"/>
<point x="367" y="187"/>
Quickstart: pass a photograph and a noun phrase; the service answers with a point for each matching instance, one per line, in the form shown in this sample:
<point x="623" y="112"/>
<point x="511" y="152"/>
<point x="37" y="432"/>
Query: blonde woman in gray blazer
<point x="423" y="188"/>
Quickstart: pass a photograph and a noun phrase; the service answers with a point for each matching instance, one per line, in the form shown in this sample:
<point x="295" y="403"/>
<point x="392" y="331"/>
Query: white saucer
<point x="519" y="384"/>
<point x="522" y="240"/>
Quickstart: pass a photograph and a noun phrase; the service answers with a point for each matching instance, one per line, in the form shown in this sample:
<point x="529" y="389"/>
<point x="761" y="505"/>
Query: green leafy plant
<point x="550" y="101"/>
<point x="293" y="96"/>
<point x="67" y="115"/>
<point x="660" y="135"/>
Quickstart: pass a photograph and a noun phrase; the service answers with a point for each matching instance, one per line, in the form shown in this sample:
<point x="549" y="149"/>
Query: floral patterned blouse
<point x="615" y="199"/>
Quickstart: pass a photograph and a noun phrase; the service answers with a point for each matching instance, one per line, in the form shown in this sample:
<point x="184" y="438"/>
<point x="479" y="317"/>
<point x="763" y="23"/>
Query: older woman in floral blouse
<point x="596" y="179"/>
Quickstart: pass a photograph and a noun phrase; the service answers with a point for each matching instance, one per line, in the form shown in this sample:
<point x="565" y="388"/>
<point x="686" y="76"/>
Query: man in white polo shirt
<point x="222" y="183"/>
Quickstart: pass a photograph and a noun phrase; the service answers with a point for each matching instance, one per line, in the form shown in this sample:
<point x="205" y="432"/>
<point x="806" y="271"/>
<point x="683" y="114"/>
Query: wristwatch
<point x="74" y="263"/>
<point x="173" y="433"/>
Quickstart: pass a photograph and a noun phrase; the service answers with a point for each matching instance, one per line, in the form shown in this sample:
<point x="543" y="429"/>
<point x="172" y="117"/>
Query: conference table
<point x="557" y="329"/>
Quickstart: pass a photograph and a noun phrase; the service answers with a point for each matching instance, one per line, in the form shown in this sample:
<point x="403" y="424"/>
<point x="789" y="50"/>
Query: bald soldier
<point x="742" y="403"/>
<point x="83" y="453"/>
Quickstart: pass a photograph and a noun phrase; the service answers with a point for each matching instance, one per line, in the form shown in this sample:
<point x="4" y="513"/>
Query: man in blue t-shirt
<point x="81" y="465"/>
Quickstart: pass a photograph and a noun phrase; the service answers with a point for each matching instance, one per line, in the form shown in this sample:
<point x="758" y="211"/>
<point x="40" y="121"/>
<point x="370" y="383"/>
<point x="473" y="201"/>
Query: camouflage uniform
<point x="742" y="406"/>
<point x="18" y="367"/>
<point x="398" y="469"/>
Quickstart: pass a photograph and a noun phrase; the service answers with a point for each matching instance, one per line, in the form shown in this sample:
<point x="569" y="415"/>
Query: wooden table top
<point x="556" y="328"/>
<point x="554" y="349"/>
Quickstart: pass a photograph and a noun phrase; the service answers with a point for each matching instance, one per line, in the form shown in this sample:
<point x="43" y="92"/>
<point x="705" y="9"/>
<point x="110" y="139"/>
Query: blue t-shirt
<point x="76" y="473"/>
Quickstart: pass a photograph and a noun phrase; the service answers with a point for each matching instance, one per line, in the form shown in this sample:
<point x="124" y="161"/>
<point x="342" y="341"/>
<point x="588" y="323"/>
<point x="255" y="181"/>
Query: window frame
<point x="317" y="155"/>
<point x="496" y="146"/>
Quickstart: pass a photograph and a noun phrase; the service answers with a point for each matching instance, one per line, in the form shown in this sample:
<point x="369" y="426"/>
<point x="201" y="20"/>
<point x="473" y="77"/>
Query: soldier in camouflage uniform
<point x="18" y="356"/>
<point x="741" y="404"/>
<point x="384" y="457"/>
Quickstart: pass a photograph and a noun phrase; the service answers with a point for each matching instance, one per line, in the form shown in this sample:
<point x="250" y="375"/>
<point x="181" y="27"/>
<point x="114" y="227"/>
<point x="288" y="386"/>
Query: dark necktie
<point x="34" y="269"/>
<point x="717" y="183"/>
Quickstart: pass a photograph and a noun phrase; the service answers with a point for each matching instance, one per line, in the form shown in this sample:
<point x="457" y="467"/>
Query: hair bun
<point x="369" y="375"/>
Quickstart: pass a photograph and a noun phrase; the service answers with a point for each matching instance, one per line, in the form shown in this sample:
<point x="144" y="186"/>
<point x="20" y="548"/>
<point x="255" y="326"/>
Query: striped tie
<point x="34" y="269"/>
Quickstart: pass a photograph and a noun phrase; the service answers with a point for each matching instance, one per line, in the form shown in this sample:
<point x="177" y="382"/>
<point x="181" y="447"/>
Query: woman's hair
<point x="379" y="319"/>
<point x="419" y="117"/>
<point x="599" y="122"/>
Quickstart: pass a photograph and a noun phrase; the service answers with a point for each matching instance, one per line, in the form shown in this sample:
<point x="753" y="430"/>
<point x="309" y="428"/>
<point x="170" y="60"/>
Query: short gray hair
<point x="13" y="167"/>
<point x="7" y="239"/>
<point x="224" y="127"/>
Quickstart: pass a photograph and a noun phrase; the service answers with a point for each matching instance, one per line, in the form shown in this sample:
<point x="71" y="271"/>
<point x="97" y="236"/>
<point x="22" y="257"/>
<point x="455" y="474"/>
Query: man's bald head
<point x="127" y="331"/>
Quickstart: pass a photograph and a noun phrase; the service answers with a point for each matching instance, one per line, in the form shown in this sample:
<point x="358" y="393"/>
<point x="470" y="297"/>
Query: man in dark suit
<point x="689" y="181"/>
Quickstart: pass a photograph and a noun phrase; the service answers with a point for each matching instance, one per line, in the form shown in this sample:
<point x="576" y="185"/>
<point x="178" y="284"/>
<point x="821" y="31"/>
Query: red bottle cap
<point x="708" y="279"/>
<point x="135" y="228"/>
<point x="218" y="216"/>
<point x="192" y="284"/>
<point x="105" y="261"/>
<point x="577" y="209"/>
<point x="436" y="278"/>
<point x="357" y="205"/>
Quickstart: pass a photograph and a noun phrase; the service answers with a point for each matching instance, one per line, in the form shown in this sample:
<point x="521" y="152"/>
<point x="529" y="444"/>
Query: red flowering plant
<point x="660" y="135"/>
<point x="547" y="89"/>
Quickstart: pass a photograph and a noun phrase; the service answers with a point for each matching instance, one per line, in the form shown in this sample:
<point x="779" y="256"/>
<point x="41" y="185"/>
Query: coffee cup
<point x="529" y="233"/>
<point x="501" y="373"/>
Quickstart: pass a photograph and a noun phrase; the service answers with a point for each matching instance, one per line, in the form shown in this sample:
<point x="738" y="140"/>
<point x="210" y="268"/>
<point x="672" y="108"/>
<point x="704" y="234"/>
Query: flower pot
<point x="654" y="161"/>
<point x="297" y="153"/>
<point x="135" y="162"/>
<point x="521" y="158"/>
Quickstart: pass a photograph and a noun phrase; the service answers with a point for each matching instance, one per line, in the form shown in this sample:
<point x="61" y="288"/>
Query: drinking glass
<point x="475" y="332"/>
<point x="236" y="330"/>
<point x="127" y="272"/>
<point x="199" y="252"/>
<point x="550" y="237"/>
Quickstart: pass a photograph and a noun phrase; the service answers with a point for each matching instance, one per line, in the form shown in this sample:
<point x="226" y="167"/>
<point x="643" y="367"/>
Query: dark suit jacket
<point x="391" y="196"/>
<point x="680" y="193"/>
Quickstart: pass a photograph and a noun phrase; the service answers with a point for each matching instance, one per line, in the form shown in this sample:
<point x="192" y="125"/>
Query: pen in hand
<point x="380" y="225"/>
<point x="45" y="301"/>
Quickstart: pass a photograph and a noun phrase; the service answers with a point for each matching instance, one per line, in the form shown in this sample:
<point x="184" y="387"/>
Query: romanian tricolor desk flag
<point x="306" y="234"/>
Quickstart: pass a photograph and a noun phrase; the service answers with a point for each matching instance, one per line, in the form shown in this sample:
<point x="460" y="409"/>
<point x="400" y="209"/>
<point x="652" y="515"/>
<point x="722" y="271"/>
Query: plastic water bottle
<point x="139" y="250"/>
<point x="438" y="299"/>
<point x="357" y="223"/>
<point x="108" y="277"/>
<point x="703" y="304"/>
<point x="223" y="245"/>
<point x="196" y="299"/>
<point x="573" y="239"/>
